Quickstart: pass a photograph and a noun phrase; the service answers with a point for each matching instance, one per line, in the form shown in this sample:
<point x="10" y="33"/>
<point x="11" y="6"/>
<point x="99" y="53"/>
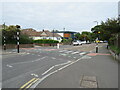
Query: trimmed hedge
<point x="115" y="49"/>
<point x="46" y="41"/>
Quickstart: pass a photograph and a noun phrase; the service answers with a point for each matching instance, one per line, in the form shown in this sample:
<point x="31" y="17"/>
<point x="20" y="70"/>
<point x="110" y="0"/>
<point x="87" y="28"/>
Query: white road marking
<point x="75" y="52"/>
<point x="48" y="70"/>
<point x="63" y="51"/>
<point x="53" y="58"/>
<point x="82" y="53"/>
<point x="33" y="74"/>
<point x="9" y="65"/>
<point x="86" y="57"/>
<point x="68" y="51"/>
<point x="33" y="86"/>
<point x="63" y="63"/>
<point x="56" y="66"/>
<point x="29" y="61"/>
<point x="63" y="54"/>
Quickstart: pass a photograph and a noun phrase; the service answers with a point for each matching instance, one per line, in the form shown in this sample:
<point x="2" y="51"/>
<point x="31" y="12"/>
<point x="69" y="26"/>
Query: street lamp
<point x="53" y="37"/>
<point x="97" y="39"/>
<point x="96" y="22"/>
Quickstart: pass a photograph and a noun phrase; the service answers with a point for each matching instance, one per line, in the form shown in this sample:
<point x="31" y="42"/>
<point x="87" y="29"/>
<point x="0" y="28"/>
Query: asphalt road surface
<point x="35" y="63"/>
<point x="32" y="65"/>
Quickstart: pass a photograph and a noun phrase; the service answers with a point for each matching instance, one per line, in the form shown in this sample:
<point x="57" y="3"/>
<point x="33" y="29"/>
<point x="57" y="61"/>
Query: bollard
<point x="58" y="46"/>
<point x="107" y="46"/>
<point x="97" y="49"/>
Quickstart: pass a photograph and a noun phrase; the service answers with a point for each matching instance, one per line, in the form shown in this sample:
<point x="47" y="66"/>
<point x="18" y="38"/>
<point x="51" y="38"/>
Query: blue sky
<point x="73" y="16"/>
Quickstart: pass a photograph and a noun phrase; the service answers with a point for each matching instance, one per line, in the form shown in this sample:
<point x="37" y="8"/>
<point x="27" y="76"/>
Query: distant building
<point x="66" y="34"/>
<point x="45" y="34"/>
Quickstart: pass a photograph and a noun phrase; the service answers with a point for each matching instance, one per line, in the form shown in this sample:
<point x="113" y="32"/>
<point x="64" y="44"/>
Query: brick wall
<point x="13" y="46"/>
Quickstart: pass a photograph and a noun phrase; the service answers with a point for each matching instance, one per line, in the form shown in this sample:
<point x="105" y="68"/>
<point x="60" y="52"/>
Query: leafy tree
<point x="107" y="29"/>
<point x="10" y="33"/>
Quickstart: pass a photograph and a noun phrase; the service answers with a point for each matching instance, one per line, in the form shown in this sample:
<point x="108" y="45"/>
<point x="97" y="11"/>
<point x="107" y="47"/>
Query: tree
<point x="108" y="29"/>
<point x="10" y="33"/>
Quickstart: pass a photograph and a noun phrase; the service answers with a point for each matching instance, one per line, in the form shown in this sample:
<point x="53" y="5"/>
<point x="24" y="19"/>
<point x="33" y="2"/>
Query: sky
<point x="73" y="16"/>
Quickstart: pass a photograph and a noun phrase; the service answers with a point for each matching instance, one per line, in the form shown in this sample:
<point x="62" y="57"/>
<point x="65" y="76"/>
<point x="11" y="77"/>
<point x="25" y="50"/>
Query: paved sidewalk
<point x="92" y="71"/>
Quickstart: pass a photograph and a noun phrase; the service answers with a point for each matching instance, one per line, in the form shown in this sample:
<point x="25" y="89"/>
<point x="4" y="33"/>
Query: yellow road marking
<point x="32" y="83"/>
<point x="27" y="83"/>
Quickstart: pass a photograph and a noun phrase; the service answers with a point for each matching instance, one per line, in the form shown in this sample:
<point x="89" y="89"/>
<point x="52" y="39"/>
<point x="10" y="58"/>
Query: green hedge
<point x="46" y="41"/>
<point x="115" y="49"/>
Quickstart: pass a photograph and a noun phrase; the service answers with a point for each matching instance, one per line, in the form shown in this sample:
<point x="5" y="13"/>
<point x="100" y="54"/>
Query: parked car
<point x="76" y="42"/>
<point x="83" y="42"/>
<point x="105" y="41"/>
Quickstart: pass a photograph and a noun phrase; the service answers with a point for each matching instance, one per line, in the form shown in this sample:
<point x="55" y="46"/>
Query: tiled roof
<point x="31" y="32"/>
<point x="49" y="34"/>
<point x="45" y="33"/>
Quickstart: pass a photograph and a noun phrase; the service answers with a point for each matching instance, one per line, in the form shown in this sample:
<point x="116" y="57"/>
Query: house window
<point x="58" y="38"/>
<point x="44" y="37"/>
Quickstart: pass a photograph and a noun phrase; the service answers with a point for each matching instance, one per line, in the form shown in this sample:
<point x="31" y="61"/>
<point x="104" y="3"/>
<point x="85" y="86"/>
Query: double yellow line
<point x="29" y="84"/>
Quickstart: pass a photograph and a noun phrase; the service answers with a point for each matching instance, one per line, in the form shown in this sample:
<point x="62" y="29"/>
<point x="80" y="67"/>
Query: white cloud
<point x="74" y="16"/>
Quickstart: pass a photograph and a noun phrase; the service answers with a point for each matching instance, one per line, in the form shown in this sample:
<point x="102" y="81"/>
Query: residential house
<point x="45" y="34"/>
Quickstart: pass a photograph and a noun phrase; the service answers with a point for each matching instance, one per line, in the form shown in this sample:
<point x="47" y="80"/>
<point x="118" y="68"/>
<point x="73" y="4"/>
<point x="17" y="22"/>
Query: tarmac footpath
<point x="94" y="70"/>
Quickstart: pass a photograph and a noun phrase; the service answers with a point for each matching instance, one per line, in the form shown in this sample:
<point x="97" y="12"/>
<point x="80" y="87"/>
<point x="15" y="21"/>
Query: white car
<point x="77" y="42"/>
<point x="83" y="42"/>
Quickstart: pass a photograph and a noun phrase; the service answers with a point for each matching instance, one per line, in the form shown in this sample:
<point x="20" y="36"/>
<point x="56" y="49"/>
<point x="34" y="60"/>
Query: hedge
<point x="45" y="41"/>
<point x="115" y="49"/>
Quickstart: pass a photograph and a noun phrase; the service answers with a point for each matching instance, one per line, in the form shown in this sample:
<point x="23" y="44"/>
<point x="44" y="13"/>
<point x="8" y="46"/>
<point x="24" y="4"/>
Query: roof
<point x="49" y="34"/>
<point x="64" y="32"/>
<point x="31" y="32"/>
<point x="44" y="33"/>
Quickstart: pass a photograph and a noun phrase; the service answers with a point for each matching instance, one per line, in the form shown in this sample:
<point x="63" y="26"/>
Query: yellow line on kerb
<point x="27" y="83"/>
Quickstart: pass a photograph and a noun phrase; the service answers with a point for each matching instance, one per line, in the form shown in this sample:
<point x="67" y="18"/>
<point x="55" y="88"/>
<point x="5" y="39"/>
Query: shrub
<point x="46" y="41"/>
<point x="115" y="49"/>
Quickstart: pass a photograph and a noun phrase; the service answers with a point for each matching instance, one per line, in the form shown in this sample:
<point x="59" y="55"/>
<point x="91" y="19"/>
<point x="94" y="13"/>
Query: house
<point x="44" y="34"/>
<point x="66" y="34"/>
<point x="32" y="33"/>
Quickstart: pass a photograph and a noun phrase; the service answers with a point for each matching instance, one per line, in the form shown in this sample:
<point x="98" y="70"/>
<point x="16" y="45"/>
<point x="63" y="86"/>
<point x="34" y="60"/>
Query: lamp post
<point x="53" y="37"/>
<point x="96" y="22"/>
<point x="97" y="39"/>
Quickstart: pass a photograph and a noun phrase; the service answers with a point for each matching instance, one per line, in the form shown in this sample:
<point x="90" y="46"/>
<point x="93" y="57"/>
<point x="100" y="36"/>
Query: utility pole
<point x="53" y="34"/>
<point x="97" y="39"/>
<point x="63" y="29"/>
<point x="53" y="37"/>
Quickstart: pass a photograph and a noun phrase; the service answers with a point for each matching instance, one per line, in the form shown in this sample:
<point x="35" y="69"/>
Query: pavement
<point x="94" y="70"/>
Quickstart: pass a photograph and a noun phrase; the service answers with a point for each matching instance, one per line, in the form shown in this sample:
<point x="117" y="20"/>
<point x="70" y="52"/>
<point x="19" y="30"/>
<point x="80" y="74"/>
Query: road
<point x="32" y="65"/>
<point x="35" y="63"/>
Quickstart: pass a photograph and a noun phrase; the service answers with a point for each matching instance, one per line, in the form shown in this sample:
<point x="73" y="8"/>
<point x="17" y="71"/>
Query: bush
<point x="67" y="41"/>
<point x="115" y="49"/>
<point x="24" y="39"/>
<point x="46" y="41"/>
